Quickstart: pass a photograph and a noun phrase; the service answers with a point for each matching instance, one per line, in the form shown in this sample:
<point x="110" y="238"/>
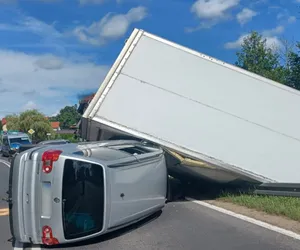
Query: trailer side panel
<point x="173" y="95"/>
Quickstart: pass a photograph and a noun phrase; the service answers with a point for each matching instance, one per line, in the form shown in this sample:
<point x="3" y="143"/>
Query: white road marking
<point x="248" y="219"/>
<point x="20" y="246"/>
<point x="6" y="163"/>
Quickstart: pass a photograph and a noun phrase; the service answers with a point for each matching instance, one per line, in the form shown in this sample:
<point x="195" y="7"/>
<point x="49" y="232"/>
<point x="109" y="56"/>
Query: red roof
<point x="87" y="98"/>
<point x="54" y="125"/>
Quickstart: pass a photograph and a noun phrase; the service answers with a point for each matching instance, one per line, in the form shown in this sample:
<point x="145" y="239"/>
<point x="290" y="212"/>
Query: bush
<point x="70" y="137"/>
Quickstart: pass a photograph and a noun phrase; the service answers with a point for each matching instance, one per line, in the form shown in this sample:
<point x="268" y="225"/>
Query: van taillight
<point x="48" y="238"/>
<point x="48" y="158"/>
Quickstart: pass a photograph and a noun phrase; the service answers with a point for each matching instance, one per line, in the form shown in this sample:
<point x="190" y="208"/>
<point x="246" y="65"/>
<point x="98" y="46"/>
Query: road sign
<point x="4" y="128"/>
<point x="48" y="134"/>
<point x="31" y="131"/>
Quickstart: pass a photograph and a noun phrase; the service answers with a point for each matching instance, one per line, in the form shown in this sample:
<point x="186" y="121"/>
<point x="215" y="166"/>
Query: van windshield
<point x="21" y="140"/>
<point x="83" y="199"/>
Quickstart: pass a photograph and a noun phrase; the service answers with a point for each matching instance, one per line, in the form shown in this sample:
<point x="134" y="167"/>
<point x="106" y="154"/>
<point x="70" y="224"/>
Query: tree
<point x="13" y="122"/>
<point x="257" y="57"/>
<point x="293" y="64"/>
<point x="68" y="116"/>
<point x="32" y="119"/>
<point x="52" y="119"/>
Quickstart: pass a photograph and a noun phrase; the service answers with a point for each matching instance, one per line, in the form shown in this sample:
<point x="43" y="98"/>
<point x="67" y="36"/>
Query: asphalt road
<point x="4" y="223"/>
<point x="181" y="225"/>
<point x="186" y="225"/>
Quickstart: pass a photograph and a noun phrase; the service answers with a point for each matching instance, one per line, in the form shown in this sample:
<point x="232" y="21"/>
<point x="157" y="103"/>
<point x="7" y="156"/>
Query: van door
<point x="137" y="188"/>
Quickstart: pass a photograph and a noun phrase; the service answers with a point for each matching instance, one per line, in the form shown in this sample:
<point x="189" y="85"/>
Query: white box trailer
<point x="222" y="122"/>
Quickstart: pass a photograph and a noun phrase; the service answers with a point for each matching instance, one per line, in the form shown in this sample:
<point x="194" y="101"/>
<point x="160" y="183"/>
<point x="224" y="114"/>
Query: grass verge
<point x="276" y="205"/>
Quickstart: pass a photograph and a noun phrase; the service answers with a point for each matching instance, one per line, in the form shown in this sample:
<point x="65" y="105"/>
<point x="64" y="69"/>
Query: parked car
<point x="65" y="193"/>
<point x="12" y="142"/>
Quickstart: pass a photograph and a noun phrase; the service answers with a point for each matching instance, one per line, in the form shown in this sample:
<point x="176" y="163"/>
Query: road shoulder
<point x="274" y="220"/>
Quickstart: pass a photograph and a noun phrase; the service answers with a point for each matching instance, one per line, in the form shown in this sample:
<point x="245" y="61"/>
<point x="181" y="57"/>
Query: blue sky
<point x="53" y="50"/>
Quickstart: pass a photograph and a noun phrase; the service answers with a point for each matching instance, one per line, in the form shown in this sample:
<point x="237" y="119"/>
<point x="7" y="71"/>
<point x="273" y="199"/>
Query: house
<point x="55" y="126"/>
<point x="84" y="103"/>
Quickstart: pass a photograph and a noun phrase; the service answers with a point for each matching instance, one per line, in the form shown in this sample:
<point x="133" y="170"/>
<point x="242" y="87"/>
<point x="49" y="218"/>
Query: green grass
<point x="275" y="205"/>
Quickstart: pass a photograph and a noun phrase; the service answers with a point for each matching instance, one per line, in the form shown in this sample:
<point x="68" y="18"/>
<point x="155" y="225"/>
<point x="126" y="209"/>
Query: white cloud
<point x="245" y="15"/>
<point x="292" y="19"/>
<point x="49" y="62"/>
<point x="256" y="2"/>
<point x="280" y="15"/>
<point x="44" y="35"/>
<point x="272" y="41"/>
<point x="55" y="113"/>
<point x="110" y="27"/>
<point x="210" y="9"/>
<point x="210" y="12"/>
<point x="49" y="80"/>
<point x="30" y="81"/>
<point x="284" y="15"/>
<point x="30" y="105"/>
<point x="236" y="44"/>
<point x="272" y="32"/>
